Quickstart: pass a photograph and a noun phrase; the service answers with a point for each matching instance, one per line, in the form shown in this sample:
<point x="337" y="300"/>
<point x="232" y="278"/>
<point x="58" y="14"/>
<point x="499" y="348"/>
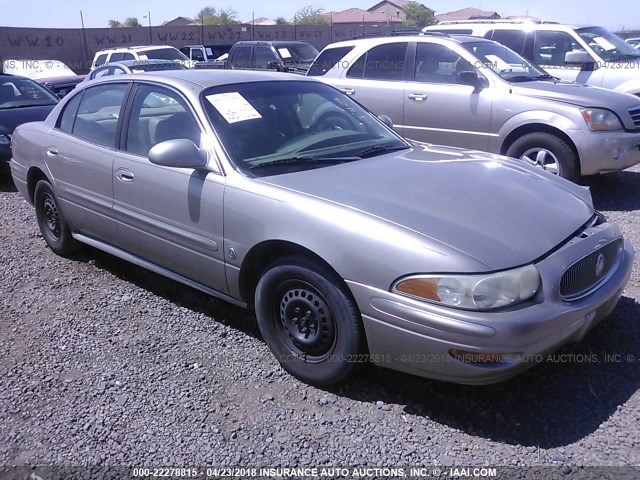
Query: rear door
<point x="377" y="80"/>
<point x="437" y="109"/>
<point x="169" y="216"/>
<point x="80" y="157"/>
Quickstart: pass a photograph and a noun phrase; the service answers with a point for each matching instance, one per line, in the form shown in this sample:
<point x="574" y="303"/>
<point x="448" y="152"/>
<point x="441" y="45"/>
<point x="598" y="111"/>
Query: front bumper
<point x="605" y="152"/>
<point x="416" y="337"/>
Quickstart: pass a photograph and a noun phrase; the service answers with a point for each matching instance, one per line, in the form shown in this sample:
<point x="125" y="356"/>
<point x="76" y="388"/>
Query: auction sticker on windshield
<point x="233" y="107"/>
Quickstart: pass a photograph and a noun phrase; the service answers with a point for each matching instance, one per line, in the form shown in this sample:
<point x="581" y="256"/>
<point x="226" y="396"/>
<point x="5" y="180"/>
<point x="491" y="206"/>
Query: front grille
<point x="589" y="272"/>
<point x="635" y="116"/>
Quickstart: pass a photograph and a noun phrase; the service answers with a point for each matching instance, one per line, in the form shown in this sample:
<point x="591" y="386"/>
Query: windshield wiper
<point x="379" y="149"/>
<point x="304" y="161"/>
<point x="526" y="78"/>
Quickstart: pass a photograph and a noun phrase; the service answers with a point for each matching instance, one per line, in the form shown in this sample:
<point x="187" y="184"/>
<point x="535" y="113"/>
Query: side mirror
<point x="471" y="79"/>
<point x="179" y="153"/>
<point x="579" y="58"/>
<point x="386" y="120"/>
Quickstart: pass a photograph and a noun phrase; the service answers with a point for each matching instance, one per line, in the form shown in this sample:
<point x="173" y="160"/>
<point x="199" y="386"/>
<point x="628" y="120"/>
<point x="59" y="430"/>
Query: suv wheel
<point x="546" y="151"/>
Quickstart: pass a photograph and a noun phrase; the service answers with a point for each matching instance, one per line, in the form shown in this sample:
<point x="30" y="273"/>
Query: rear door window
<point x="514" y="39"/>
<point x="384" y="62"/>
<point x="98" y="113"/>
<point x="327" y="60"/>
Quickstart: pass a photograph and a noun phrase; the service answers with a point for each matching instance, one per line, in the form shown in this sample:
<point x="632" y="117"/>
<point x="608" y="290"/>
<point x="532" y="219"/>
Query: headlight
<point x="5" y="139"/>
<point x="601" y="119"/>
<point x="473" y="292"/>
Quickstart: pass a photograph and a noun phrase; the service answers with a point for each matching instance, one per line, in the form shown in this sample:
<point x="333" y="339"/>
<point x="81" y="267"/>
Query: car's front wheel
<point x="546" y="151"/>
<point x="309" y="322"/>
<point x="53" y="226"/>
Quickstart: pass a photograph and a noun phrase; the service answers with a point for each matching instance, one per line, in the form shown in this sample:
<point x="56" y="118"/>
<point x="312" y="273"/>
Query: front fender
<point x="631" y="86"/>
<point x="537" y="117"/>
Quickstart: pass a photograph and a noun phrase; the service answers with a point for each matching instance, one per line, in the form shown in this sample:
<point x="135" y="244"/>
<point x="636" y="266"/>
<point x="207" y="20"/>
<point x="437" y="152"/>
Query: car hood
<point x="12" y="117"/>
<point x="499" y="211"/>
<point x="577" y="94"/>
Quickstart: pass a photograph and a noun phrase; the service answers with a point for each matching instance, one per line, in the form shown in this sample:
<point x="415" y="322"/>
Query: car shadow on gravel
<point x="616" y="192"/>
<point x="554" y="404"/>
<point x="6" y="183"/>
<point x="177" y="293"/>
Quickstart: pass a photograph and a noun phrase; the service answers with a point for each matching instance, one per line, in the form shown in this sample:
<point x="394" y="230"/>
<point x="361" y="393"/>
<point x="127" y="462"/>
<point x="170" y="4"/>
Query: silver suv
<point x="476" y="93"/>
<point x="587" y="54"/>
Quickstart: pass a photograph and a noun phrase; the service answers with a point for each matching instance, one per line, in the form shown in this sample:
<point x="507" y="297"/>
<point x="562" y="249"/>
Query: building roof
<point x="261" y="21"/>
<point x="397" y="3"/>
<point x="466" y="14"/>
<point x="357" y="15"/>
<point x="180" y="21"/>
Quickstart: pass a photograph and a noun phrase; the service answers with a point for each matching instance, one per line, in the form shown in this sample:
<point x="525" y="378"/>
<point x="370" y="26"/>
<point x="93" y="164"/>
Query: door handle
<point x="348" y="91"/>
<point x="52" y="152"/>
<point x="418" y="97"/>
<point x="124" y="175"/>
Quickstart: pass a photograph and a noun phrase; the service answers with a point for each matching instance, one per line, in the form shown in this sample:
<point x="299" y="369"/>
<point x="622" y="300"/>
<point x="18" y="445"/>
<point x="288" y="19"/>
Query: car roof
<point x="204" y="78"/>
<point x="134" y="48"/>
<point x="377" y="40"/>
<point x="134" y="63"/>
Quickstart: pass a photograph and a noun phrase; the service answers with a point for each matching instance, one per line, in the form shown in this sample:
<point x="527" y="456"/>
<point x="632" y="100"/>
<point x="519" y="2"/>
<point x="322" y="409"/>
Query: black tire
<point x="309" y="322"/>
<point x="567" y="160"/>
<point x="53" y="226"/>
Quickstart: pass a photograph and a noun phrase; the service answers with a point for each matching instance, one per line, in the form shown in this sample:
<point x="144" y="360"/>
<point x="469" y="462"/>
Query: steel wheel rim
<point x="51" y="216"/>
<point x="305" y="321"/>
<point x="543" y="158"/>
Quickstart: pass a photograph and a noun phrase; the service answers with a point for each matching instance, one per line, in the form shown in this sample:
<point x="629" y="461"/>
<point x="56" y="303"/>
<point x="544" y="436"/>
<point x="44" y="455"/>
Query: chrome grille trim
<point x="635" y="116"/>
<point x="580" y="279"/>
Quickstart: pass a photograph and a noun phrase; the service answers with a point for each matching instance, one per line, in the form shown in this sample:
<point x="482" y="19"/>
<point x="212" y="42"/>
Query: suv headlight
<point x="475" y="291"/>
<point x="601" y="119"/>
<point x="5" y="139"/>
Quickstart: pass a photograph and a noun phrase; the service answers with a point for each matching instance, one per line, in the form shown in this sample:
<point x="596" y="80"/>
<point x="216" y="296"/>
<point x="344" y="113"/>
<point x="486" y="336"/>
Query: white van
<point x="591" y="54"/>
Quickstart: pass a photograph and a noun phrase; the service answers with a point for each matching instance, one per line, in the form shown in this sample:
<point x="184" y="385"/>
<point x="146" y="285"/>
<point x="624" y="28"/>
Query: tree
<point x="207" y="16"/>
<point x="227" y="16"/>
<point x="114" y="24"/>
<point x="282" y="21"/>
<point x="131" y="22"/>
<point x="418" y="16"/>
<point x="310" y="15"/>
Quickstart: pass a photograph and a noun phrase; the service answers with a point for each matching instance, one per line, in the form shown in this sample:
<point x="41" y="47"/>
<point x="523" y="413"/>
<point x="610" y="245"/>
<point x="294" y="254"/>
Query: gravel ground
<point x="104" y="363"/>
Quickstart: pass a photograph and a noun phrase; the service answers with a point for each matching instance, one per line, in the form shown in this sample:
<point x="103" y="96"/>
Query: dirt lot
<point x="105" y="363"/>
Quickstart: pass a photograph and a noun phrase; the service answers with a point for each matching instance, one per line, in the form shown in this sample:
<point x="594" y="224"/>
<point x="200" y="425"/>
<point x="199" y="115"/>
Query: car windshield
<point x="607" y="45"/>
<point x="505" y="62"/>
<point x="165" y="54"/>
<point x="17" y="92"/>
<point x="292" y="126"/>
<point x="297" y="52"/>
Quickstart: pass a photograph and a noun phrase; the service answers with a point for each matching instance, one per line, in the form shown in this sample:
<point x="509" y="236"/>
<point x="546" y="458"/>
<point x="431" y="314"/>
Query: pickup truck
<point x="204" y="54"/>
<point x="283" y="56"/>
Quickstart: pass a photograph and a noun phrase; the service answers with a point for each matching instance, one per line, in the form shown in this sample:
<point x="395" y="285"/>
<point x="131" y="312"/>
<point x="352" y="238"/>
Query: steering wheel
<point x="332" y="121"/>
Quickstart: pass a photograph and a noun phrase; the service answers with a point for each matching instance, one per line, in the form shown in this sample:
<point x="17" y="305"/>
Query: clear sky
<point x="613" y="14"/>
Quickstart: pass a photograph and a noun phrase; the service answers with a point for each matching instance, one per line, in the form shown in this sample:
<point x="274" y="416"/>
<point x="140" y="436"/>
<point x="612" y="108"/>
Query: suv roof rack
<point x="497" y="20"/>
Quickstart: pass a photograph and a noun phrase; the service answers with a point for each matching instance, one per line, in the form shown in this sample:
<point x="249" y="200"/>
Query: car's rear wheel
<point x="547" y="151"/>
<point x="53" y="226"/>
<point x="309" y="322"/>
